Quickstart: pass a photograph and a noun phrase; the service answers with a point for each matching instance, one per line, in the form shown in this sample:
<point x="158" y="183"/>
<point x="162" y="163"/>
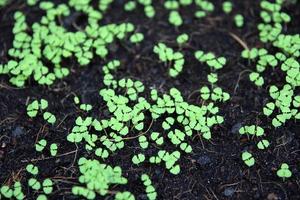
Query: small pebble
<point x="203" y="160"/>
<point x="228" y="192"/>
<point x="18" y="132"/>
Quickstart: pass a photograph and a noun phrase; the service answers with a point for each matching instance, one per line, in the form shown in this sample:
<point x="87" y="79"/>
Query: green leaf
<point x="40" y="145"/>
<point x="137" y="159"/>
<point x="30" y="168"/>
<point x="248" y="159"/>
<point x="34" y="184"/>
<point x="263" y="144"/>
<point x="53" y="149"/>
<point x="49" y="117"/>
<point x="47" y="186"/>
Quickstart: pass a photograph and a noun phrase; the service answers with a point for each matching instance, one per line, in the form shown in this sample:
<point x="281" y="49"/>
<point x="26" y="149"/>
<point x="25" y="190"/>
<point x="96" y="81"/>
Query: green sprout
<point x="47" y="186"/>
<point x="6" y="191"/>
<point x="284" y="171"/>
<point x="182" y="39"/>
<point x="175" y="18"/>
<point x="34" y="184"/>
<point x="248" y="159"/>
<point x="263" y="144"/>
<point x="103" y="153"/>
<point x="256" y="78"/>
<point x="136" y="38"/>
<point x="143" y="142"/>
<point x="137" y="159"/>
<point x="130" y="6"/>
<point x="239" y="20"/>
<point x="32" y="169"/>
<point x="155" y="136"/>
<point x="40" y="145"/>
<point x="227" y="7"/>
<point x="250" y="54"/>
<point x="269" y="108"/>
<point x="53" y="149"/>
<point x="49" y="117"/>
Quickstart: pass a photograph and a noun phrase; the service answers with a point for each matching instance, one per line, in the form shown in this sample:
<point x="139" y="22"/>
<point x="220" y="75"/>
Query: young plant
<point x="248" y="159"/>
<point x="32" y="169"/>
<point x="239" y="20"/>
<point x="40" y="145"/>
<point x="49" y="117"/>
<point x="263" y="144"/>
<point x="284" y="171"/>
<point x="182" y="39"/>
<point x="53" y="149"/>
<point x="227" y="7"/>
<point x="136" y="38"/>
<point x="137" y="159"/>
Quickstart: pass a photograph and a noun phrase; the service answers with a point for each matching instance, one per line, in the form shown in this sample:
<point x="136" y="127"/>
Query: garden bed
<point x="214" y="169"/>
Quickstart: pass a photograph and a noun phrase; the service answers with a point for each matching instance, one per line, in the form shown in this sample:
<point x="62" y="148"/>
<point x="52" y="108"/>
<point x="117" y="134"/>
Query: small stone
<point x="203" y="160"/>
<point x="228" y="192"/>
<point x="272" y="196"/>
<point x="18" y="132"/>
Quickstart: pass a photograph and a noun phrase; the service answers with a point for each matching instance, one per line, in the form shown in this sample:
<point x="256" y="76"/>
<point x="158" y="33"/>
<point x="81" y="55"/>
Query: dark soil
<point x="214" y="170"/>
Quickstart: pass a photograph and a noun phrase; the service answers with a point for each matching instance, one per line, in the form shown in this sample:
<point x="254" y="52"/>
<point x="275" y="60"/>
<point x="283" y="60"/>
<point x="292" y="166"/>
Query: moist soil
<point x="214" y="170"/>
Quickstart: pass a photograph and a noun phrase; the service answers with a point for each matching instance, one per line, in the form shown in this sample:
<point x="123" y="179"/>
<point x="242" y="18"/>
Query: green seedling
<point x="182" y="39"/>
<point x="103" y="153"/>
<point x="76" y="100"/>
<point x="40" y="145"/>
<point x="137" y="159"/>
<point x="239" y="20"/>
<point x="227" y="7"/>
<point x="136" y="38"/>
<point x="53" y="149"/>
<point x="47" y="186"/>
<point x="155" y="136"/>
<point x="143" y="142"/>
<point x="256" y="78"/>
<point x="248" y="159"/>
<point x="32" y="169"/>
<point x="250" y="54"/>
<point x="175" y="18"/>
<point x="263" y="144"/>
<point x="34" y="184"/>
<point x="284" y="171"/>
<point x="212" y="78"/>
<point x="169" y="121"/>
<point x="49" y="117"/>
<point x="130" y="6"/>
<point x="269" y="108"/>
<point x="6" y="191"/>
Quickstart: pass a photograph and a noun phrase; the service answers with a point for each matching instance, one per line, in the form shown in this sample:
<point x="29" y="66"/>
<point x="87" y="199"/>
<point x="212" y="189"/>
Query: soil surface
<point x="214" y="170"/>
